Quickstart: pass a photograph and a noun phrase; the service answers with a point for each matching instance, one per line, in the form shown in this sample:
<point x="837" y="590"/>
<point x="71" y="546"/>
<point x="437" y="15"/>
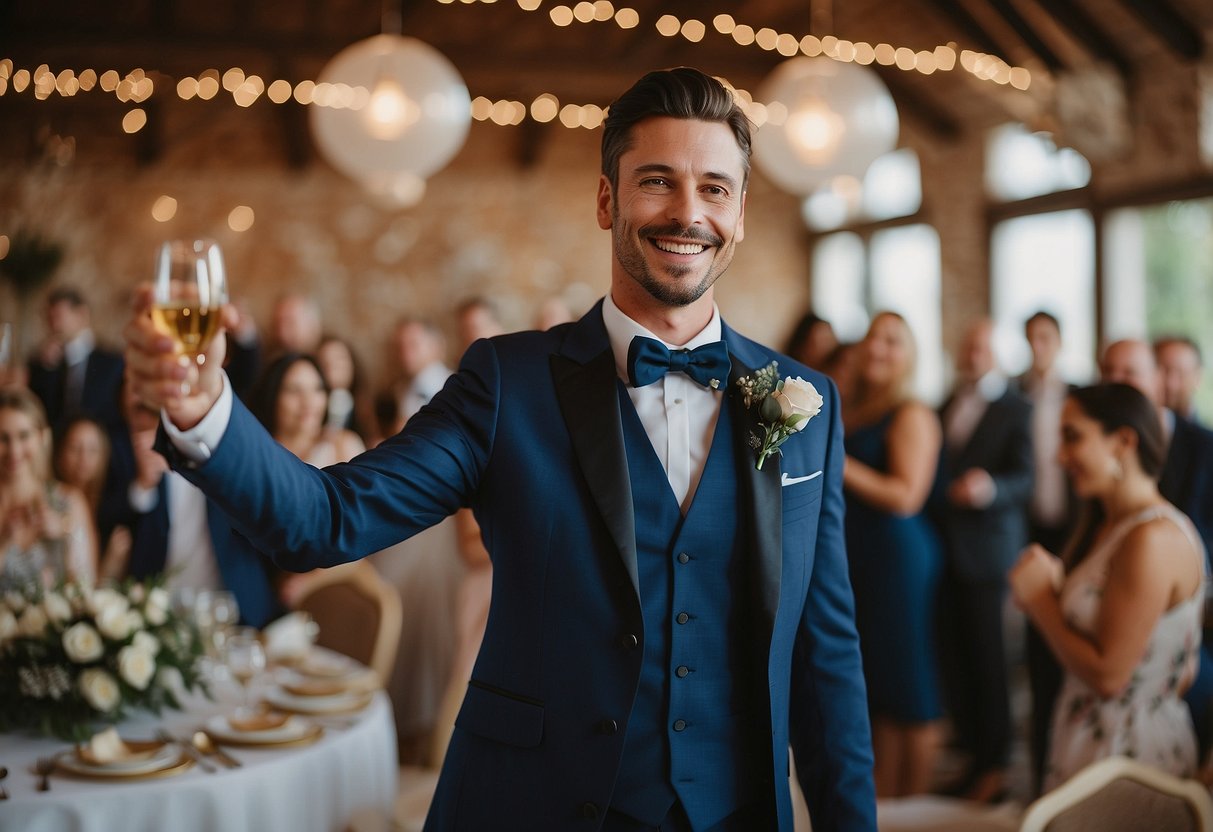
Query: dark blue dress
<point x="896" y="563"/>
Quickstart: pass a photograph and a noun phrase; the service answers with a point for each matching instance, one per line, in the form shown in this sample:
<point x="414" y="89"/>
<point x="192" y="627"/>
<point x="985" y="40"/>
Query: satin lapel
<point x="589" y="402"/>
<point x="762" y="497"/>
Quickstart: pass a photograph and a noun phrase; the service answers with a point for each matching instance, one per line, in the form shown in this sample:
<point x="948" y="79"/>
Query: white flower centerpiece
<point x="73" y="656"/>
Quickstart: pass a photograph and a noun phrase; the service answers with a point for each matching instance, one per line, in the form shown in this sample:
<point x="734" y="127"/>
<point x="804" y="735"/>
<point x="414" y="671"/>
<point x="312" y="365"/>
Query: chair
<point x="1121" y="795"/>
<point x="358" y="614"/>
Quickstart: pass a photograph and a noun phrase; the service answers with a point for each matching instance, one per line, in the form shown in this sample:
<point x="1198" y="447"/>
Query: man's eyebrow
<point x="668" y="170"/>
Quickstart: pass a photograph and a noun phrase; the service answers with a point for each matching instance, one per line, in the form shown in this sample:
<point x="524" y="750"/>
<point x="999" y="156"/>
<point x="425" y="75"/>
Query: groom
<point x="666" y="617"/>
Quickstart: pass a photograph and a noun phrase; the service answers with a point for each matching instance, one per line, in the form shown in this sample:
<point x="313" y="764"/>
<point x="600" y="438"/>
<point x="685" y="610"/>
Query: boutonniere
<point x="784" y="407"/>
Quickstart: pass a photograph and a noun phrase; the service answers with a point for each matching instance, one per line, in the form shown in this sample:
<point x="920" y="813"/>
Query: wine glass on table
<point x="225" y="614"/>
<point x="188" y="295"/>
<point x="245" y="659"/>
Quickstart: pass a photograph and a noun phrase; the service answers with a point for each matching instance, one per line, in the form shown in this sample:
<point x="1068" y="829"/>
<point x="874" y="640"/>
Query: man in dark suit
<point x="71" y="374"/>
<point x="175" y="528"/>
<point x="1187" y="481"/>
<point x="667" y="617"/>
<point x="986" y="481"/>
<point x="1051" y="513"/>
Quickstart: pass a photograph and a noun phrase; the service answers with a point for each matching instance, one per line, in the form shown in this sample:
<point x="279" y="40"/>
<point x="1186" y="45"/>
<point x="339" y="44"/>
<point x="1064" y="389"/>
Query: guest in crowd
<point x="812" y="340"/>
<point x="82" y="458"/>
<point x="985" y="486"/>
<point x="180" y="533"/>
<point x="343" y="374"/>
<point x="70" y="373"/>
<point x="893" y="444"/>
<point x="1180" y="367"/>
<point x="476" y="318"/>
<point x="553" y="312"/>
<point x="418" y="348"/>
<point x="1125" y="624"/>
<point x="1051" y="512"/>
<point x="1186" y="480"/>
<point x="46" y="530"/>
<point x="291" y="401"/>
<point x="295" y="325"/>
<point x="244" y="351"/>
<point x="841" y="365"/>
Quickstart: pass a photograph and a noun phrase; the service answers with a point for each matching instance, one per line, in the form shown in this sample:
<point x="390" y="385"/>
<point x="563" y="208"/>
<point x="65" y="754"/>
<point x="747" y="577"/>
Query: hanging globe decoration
<point x="826" y="119"/>
<point x="389" y="112"/>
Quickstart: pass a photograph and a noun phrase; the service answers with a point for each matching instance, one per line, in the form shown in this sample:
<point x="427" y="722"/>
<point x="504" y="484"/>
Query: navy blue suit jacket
<point x="528" y="433"/>
<point x="1187" y="476"/>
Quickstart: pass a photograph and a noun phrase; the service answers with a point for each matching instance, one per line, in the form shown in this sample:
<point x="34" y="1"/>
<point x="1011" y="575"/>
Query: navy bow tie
<point x="649" y="360"/>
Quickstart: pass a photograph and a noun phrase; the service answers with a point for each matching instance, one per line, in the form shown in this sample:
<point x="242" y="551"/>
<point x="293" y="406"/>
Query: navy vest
<point x="696" y="731"/>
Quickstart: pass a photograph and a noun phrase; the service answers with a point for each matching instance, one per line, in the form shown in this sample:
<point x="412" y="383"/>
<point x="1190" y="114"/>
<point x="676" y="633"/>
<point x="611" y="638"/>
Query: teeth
<point x="679" y="248"/>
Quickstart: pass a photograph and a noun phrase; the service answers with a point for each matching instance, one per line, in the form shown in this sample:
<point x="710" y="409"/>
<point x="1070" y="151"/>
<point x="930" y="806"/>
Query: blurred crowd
<point x="1089" y="507"/>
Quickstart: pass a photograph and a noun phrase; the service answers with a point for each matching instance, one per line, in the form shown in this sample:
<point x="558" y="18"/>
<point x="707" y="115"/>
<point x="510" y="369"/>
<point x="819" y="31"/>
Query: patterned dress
<point x="1148" y="720"/>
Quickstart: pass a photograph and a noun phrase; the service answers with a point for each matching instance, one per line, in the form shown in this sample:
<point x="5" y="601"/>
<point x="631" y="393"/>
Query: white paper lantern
<point x="408" y="117"/>
<point x="827" y="118"/>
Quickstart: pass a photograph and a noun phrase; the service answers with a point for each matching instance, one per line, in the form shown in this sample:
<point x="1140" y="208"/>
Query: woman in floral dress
<point x="1125" y="619"/>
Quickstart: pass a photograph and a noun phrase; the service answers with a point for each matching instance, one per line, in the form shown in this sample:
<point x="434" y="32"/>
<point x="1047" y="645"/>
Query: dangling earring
<point x="1115" y="469"/>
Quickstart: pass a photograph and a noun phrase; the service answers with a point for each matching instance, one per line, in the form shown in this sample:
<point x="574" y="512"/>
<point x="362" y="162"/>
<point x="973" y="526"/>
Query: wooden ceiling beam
<point x="1028" y="35"/>
<point x="1164" y="20"/>
<point x="977" y="35"/>
<point x="1089" y="34"/>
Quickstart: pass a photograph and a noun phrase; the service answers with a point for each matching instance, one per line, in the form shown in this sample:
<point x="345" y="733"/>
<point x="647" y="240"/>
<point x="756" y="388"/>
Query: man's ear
<point x="606" y="197"/>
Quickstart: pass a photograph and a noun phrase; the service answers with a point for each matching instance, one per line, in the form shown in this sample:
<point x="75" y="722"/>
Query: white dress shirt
<point x="678" y="414"/>
<point x="969" y="405"/>
<point x="191" y="555"/>
<point x="422" y="388"/>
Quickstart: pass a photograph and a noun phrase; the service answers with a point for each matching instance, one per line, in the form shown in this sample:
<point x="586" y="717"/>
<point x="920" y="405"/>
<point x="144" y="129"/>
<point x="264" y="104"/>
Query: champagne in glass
<point x="189" y="293"/>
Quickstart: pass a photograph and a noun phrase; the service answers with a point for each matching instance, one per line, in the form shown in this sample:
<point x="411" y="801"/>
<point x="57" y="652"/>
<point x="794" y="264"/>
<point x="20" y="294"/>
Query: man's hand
<point x="972" y="489"/>
<point x="162" y="379"/>
<point x="1037" y="574"/>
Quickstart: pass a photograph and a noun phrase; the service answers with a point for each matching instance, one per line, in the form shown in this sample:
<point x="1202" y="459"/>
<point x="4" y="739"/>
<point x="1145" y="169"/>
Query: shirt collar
<point x="77" y="349"/>
<point x="621" y="330"/>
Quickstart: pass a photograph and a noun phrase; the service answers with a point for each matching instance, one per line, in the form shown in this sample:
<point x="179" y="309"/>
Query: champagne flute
<point x="225" y="613"/>
<point x="245" y="658"/>
<point x="188" y="295"/>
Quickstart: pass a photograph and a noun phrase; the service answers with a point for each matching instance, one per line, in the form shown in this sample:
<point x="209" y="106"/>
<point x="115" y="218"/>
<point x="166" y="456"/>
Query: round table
<point x="351" y="768"/>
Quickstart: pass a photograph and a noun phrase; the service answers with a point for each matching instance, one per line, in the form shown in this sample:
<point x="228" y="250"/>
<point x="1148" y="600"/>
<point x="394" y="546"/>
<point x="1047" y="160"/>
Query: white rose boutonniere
<point x="784" y="407"/>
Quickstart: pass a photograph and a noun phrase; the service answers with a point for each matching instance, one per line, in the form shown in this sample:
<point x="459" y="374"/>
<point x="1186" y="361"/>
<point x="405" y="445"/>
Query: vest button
<point x="682" y="671"/>
<point x="589" y="811"/>
<point x="682" y="618"/>
<point x="683" y="557"/>
<point x="628" y="641"/>
<point x="608" y="727"/>
<point x="680" y="724"/>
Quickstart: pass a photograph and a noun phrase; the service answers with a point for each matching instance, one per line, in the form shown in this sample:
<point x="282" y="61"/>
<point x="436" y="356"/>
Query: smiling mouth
<point x="678" y="246"/>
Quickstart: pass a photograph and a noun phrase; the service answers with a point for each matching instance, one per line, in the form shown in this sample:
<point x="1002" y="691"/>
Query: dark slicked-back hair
<point x="675" y="93"/>
<point x="1117" y="406"/>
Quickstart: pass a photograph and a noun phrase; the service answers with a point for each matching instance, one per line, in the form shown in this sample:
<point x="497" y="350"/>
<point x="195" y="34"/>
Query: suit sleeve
<point x="304" y="518"/>
<point x="1014" y="477"/>
<point x="828" y="717"/>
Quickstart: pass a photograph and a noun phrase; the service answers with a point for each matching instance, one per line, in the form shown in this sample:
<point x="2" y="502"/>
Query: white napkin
<point x="290" y="637"/>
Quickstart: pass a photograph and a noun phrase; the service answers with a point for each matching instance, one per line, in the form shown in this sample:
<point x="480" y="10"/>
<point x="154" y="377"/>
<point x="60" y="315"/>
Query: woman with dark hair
<point x="291" y="401"/>
<point x="812" y="341"/>
<point x="1125" y="620"/>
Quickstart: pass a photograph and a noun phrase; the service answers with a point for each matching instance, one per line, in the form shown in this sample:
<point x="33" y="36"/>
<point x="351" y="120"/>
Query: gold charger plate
<point x="183" y="763"/>
<point x="357" y="704"/>
<point x="309" y="736"/>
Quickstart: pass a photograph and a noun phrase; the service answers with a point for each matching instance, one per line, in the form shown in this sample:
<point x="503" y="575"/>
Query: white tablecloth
<point x="315" y="787"/>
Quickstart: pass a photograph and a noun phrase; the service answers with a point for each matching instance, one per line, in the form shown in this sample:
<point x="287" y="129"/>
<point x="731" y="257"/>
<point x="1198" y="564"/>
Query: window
<point x="891" y="188"/>
<point x="1045" y="261"/>
<point x="1159" y="267"/>
<point x="1021" y="164"/>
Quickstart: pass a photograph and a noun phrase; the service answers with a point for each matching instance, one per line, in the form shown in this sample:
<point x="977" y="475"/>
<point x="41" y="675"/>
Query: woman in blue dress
<point x="892" y="444"/>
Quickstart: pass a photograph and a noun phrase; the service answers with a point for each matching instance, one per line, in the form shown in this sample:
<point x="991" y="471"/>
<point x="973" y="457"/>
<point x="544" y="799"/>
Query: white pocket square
<point x="785" y="480"/>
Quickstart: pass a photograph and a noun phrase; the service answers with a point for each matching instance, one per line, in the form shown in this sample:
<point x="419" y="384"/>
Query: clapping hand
<point x="1038" y="575"/>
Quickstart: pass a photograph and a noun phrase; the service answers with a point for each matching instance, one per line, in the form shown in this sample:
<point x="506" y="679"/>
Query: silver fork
<point x="165" y="737"/>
